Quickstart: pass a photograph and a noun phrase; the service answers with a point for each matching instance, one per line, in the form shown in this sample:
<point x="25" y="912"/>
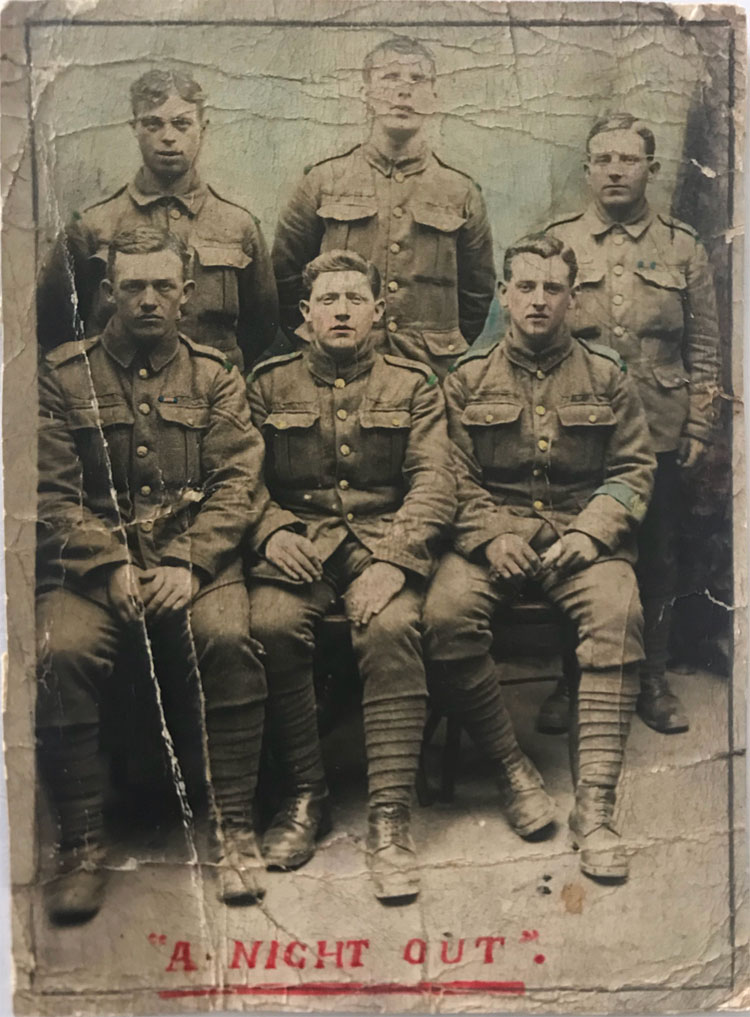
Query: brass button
<point x="543" y="444"/>
<point x="145" y="490"/>
<point x="393" y="286"/>
<point x="619" y="239"/>
<point x="618" y="330"/>
<point x="592" y="418"/>
<point x="538" y="505"/>
<point x="618" y="299"/>
<point x="395" y="421"/>
<point x="488" y="418"/>
<point x="281" y="424"/>
<point x="618" y="270"/>
<point x="350" y="516"/>
<point x="306" y="497"/>
<point x="451" y="347"/>
<point x="342" y="414"/>
<point x="339" y="383"/>
<point x="398" y="212"/>
<point x="540" y="374"/>
<point x="540" y="410"/>
<point x="147" y="526"/>
<point x="175" y="213"/>
<point x="398" y="176"/>
<point x="395" y="248"/>
<point x="143" y="373"/>
<point x="144" y="408"/>
<point x="536" y="472"/>
<point x="392" y="326"/>
<point x="344" y="485"/>
<point x="141" y="451"/>
<point x="344" y="450"/>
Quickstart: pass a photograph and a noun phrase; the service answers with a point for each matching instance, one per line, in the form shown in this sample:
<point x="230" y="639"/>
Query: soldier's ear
<point x="379" y="310"/>
<point x="188" y="288"/>
<point x="304" y="306"/>
<point x="502" y="295"/>
<point x="654" y="167"/>
<point x="107" y="289"/>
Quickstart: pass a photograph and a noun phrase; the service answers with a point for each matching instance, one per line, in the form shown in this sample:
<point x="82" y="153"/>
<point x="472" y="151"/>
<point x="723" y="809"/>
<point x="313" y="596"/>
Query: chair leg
<point x="451" y="754"/>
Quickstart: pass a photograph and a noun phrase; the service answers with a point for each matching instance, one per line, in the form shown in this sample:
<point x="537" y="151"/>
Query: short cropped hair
<point x="340" y="261"/>
<point x="155" y="87"/>
<point x="624" y="122"/>
<point x="400" y="44"/>
<point x="146" y="240"/>
<point x="545" y="246"/>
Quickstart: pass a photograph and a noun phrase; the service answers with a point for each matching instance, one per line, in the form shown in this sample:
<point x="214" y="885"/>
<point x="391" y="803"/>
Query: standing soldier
<point x="358" y="467"/>
<point x="645" y="288"/>
<point x="554" y="471"/>
<point x="149" y="477"/>
<point x="422" y="223"/>
<point x="234" y="308"/>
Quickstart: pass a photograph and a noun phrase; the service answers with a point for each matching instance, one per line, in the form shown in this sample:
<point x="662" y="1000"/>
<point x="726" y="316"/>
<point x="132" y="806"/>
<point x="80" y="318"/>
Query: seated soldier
<point x="149" y="476"/>
<point x="554" y="470"/>
<point x="358" y="470"/>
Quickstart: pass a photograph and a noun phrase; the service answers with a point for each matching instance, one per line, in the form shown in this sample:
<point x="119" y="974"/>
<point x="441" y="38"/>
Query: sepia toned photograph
<point x="375" y="525"/>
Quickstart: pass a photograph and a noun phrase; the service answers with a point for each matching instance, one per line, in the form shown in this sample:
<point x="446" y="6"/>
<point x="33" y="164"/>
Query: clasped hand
<point x="511" y="558"/>
<point x="157" y="592"/>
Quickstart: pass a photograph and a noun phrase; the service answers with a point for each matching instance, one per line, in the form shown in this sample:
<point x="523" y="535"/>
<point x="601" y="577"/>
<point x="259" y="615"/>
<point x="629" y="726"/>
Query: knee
<point x="613" y="634"/>
<point x="280" y="623"/>
<point x="64" y="650"/>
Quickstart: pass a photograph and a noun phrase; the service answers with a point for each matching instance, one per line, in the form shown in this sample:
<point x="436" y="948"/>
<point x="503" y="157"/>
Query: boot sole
<point x="546" y="727"/>
<point x="287" y="863"/>
<point x="606" y="868"/>
<point x="673" y="729"/>
<point x="536" y="825"/>
<point x="397" y="890"/>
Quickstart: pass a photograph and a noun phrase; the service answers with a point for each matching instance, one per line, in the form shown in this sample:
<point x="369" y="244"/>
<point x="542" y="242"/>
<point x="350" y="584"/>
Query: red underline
<point x="350" y="989"/>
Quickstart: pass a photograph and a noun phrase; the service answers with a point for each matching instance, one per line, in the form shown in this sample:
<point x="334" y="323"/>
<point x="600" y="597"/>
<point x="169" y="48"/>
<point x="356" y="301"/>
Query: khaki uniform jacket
<point x="151" y="459"/>
<point x="545" y="445"/>
<point x="421" y="222"/>
<point x="359" y="452"/>
<point x="234" y="303"/>
<point x="646" y="289"/>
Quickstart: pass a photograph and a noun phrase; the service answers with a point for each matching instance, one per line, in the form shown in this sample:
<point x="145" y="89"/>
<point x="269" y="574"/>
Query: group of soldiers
<point x="371" y="455"/>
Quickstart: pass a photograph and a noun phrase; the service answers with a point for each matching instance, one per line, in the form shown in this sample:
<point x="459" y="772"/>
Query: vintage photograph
<point x="375" y="514"/>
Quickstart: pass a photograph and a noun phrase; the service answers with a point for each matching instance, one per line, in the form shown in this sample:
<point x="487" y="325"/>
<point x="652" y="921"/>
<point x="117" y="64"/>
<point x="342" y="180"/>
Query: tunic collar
<point x="124" y="349"/>
<point x="598" y="223"/>
<point x="191" y="201"/>
<point x="518" y="353"/>
<point x="407" y="165"/>
<point x="326" y="369"/>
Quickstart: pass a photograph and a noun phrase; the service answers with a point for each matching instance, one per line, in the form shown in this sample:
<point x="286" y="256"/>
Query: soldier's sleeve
<point x="274" y="517"/>
<point x="66" y="287"/>
<point x="299" y="233"/>
<point x="479" y="519"/>
<point x="701" y="352"/>
<point x="476" y="267"/>
<point x="234" y="494"/>
<point x="618" y="505"/>
<point x="429" y="505"/>
<point x="72" y="541"/>
<point x="259" y="305"/>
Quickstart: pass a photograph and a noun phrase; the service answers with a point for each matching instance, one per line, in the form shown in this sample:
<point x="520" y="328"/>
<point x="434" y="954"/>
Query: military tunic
<point x="421" y="222"/>
<point x="234" y="307"/>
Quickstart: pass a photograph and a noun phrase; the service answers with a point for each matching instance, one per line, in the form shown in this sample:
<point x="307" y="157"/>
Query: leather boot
<point x="76" y="893"/>
<point x="303" y="819"/>
<point x="554" y="713"/>
<point x="238" y="866"/>
<point x="594" y="834"/>
<point x="391" y="854"/>
<point x="659" y="707"/>
<point x="525" y="804"/>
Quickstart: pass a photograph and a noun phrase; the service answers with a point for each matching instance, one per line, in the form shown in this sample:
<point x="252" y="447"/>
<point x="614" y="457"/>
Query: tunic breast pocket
<point x="385" y="436"/>
<point x="349" y="225"/>
<point x="292" y="437"/>
<point x="102" y="434"/>
<point x="495" y="429"/>
<point x="585" y="430"/>
<point x="660" y="310"/>
<point x="215" y="272"/>
<point x="436" y="228"/>
<point x="183" y="425"/>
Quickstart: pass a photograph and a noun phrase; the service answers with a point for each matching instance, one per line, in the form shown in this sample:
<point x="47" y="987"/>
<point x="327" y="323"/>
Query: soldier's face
<point x="341" y="312"/>
<point x="148" y="291"/>
<point x="537" y="297"/>
<point x="400" y="92"/>
<point x="169" y="137"/>
<point x="618" y="168"/>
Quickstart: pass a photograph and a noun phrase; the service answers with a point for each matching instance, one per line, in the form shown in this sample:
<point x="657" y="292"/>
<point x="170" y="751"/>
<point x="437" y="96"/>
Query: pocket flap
<point x="670" y="375"/>
<point x="195" y="416"/>
<point x="285" y="420"/>
<point x="99" y="415"/>
<point x="587" y="415"/>
<point x="664" y="278"/>
<point x="437" y="216"/>
<point x="445" y="344"/>
<point x="490" y="414"/>
<point x="381" y="416"/>
<point x="221" y="256"/>
<point x="589" y="274"/>
<point x="347" y="211"/>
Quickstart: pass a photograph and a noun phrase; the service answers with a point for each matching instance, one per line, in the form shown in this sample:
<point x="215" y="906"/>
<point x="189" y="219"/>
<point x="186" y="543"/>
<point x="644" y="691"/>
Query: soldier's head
<point x="147" y="281"/>
<point x="399" y="85"/>
<point x="168" y="122"/>
<point x="343" y="303"/>
<point x="620" y="161"/>
<point x="539" y="273"/>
